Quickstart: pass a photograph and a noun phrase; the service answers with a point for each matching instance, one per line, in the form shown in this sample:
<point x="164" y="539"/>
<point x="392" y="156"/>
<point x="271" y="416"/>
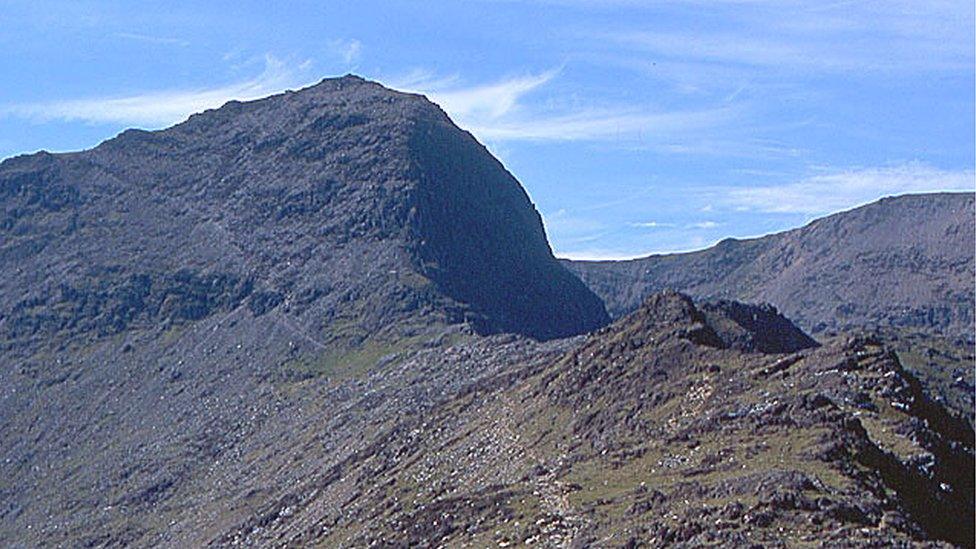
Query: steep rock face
<point x="342" y="203"/>
<point x="723" y="324"/>
<point x="484" y="246"/>
<point x="755" y="328"/>
<point x="904" y="261"/>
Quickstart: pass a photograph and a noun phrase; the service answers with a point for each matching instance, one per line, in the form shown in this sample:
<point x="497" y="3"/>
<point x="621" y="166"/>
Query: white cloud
<point x="349" y="50"/>
<point x="162" y="40"/>
<point x="651" y="225"/>
<point x="703" y="225"/>
<point x="600" y="254"/>
<point x="596" y="124"/>
<point x="498" y="112"/>
<point x="828" y="193"/>
<point x="162" y="108"/>
<point x="423" y="81"/>
<point x="891" y="36"/>
<point x="491" y="101"/>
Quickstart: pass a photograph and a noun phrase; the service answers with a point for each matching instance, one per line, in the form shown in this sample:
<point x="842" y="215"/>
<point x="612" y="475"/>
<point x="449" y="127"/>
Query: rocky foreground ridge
<point x="674" y="426"/>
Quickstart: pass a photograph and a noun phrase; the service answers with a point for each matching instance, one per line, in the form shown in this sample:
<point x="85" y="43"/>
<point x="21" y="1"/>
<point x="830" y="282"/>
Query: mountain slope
<point x="276" y="325"/>
<point x="666" y="428"/>
<point x="902" y="261"/>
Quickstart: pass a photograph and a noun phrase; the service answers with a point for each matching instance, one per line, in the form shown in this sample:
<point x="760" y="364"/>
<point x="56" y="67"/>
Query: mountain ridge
<point x="902" y="268"/>
<point x="809" y="272"/>
<point x="256" y="278"/>
<point x="652" y="431"/>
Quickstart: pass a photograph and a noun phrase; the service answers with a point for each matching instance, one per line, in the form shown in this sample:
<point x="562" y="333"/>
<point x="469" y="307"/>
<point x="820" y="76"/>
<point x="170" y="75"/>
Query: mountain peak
<point x="344" y="202"/>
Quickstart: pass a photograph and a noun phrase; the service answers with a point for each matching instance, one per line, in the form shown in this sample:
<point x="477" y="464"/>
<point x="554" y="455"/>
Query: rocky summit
<point x="344" y="203"/>
<point x="331" y="318"/>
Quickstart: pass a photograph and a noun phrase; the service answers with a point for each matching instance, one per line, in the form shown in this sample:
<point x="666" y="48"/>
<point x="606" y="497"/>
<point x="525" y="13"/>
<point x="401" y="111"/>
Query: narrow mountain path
<point x="553" y="493"/>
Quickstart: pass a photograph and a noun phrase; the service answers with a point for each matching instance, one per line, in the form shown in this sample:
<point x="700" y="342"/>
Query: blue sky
<point x="636" y="126"/>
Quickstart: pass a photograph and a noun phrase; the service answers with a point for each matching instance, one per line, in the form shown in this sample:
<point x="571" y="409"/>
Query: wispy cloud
<point x="499" y="111"/>
<point x="831" y="192"/>
<point x="793" y="52"/>
<point x="162" y="108"/>
<point x="599" y="124"/>
<point x="714" y="47"/>
<point x="493" y="100"/>
<point x="651" y="225"/>
<point x="161" y="40"/>
<point x="350" y="51"/>
<point x="893" y="36"/>
<point x="702" y="225"/>
<point x="424" y="81"/>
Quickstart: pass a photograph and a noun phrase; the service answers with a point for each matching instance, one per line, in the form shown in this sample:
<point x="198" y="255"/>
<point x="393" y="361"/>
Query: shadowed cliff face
<point x="345" y="203"/>
<point x="484" y="244"/>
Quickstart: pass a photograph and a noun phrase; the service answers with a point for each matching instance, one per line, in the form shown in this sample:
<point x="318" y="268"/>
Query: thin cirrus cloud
<point x="161" y="40"/>
<point x="496" y="111"/>
<point x="733" y="49"/>
<point x="651" y="225"/>
<point x="499" y="111"/>
<point x="826" y="193"/>
<point x="892" y="36"/>
<point x="156" y="109"/>
<point x="349" y="50"/>
<point x="727" y="47"/>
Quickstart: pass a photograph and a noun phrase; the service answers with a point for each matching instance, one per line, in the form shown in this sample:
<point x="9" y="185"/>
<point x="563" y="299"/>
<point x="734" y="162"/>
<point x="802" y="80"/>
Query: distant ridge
<point x="905" y="261"/>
